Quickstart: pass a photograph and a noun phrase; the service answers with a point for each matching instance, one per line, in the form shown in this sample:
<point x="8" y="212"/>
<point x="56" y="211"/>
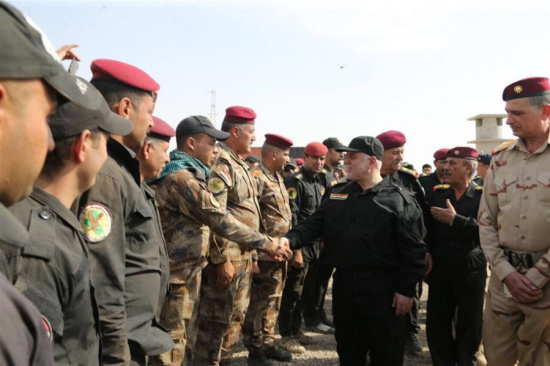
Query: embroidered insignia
<point x="224" y="176"/>
<point x="299" y="176"/>
<point x="96" y="222"/>
<point x="440" y="186"/>
<point x="518" y="89"/>
<point x="410" y="171"/>
<point x="334" y="182"/>
<point x="292" y="193"/>
<point x="214" y="202"/>
<point x="338" y="196"/>
<point x="256" y="173"/>
<point x="322" y="190"/>
<point x="47" y="327"/>
<point x="457" y="152"/>
<point x="216" y="185"/>
<point x="479" y="188"/>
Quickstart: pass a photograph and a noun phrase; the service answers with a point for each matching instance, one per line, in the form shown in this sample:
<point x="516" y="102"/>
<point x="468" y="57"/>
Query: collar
<point x="12" y="232"/>
<point x="271" y="176"/>
<point x="52" y="202"/>
<point x="520" y="145"/>
<point x="124" y="156"/>
<point x="308" y="175"/>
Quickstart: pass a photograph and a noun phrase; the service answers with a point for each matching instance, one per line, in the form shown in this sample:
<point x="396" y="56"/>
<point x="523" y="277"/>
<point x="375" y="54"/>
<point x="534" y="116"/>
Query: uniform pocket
<point x="140" y="241"/>
<point x="543" y="194"/>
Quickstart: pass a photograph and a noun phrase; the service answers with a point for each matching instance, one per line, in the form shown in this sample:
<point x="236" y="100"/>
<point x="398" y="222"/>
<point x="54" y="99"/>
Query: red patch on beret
<point x="161" y="130"/>
<point x="315" y="149"/>
<point x="125" y="73"/>
<point x="463" y="152"/>
<point x="530" y="87"/>
<point x="240" y="115"/>
<point x="392" y="139"/>
<point x="441" y="154"/>
<point x="278" y="141"/>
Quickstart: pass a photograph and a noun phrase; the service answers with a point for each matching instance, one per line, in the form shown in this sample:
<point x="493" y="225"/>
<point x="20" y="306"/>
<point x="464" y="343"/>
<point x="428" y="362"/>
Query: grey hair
<point x="154" y="142"/>
<point x="539" y="101"/>
<point x="473" y="164"/>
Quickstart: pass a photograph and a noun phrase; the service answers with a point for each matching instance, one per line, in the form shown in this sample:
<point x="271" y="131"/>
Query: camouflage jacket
<point x="274" y="204"/>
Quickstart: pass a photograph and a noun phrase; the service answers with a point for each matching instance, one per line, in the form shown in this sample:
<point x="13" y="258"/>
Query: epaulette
<point x="256" y="173"/>
<point x="299" y="176"/>
<point x="440" y="187"/>
<point x="324" y="171"/>
<point x="334" y="182"/>
<point x="479" y="188"/>
<point x="409" y="171"/>
<point x="503" y="146"/>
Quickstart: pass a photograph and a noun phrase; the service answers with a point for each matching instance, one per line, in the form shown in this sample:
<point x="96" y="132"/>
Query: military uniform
<point x="305" y="193"/>
<point x="457" y="279"/>
<point x="267" y="286"/>
<point x="428" y="182"/>
<point x="125" y="259"/>
<point x="514" y="219"/>
<point x="23" y="339"/>
<point x="222" y="312"/>
<point x="188" y="213"/>
<point x="374" y="240"/>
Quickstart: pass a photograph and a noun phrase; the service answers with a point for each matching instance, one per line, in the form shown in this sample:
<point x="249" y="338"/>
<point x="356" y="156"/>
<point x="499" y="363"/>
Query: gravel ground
<point x="323" y="352"/>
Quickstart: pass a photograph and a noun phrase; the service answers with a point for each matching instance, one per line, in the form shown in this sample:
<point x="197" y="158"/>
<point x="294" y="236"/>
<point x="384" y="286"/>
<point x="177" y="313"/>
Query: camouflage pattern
<point x="189" y="211"/>
<point x="221" y="314"/>
<point x="514" y="215"/>
<point x="267" y="286"/>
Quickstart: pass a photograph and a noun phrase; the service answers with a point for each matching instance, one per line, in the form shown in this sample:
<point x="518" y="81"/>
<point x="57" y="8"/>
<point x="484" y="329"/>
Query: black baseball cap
<point x="71" y="119"/>
<point x="291" y="164"/>
<point x="365" y="144"/>
<point x="199" y="124"/>
<point x="484" y="158"/>
<point x="333" y="143"/>
<point x="27" y="54"/>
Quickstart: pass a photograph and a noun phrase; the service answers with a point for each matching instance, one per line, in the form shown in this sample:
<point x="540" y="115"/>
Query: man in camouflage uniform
<point x="189" y="212"/>
<point x="225" y="291"/>
<point x="268" y="282"/>
<point x="514" y="228"/>
<point x="392" y="167"/>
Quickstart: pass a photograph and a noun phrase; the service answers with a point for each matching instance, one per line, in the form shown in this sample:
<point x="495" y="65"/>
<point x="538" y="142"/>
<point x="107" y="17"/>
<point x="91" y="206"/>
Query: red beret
<point x="315" y="149"/>
<point x="125" y="73"/>
<point x="530" y="87"/>
<point x="239" y="115"/>
<point x="441" y="154"/>
<point x="299" y="161"/>
<point x="161" y="130"/>
<point x="278" y="141"/>
<point x="391" y="139"/>
<point x="463" y="152"/>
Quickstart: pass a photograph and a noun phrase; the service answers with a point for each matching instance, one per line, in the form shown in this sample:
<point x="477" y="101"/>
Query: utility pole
<point x="213" y="113"/>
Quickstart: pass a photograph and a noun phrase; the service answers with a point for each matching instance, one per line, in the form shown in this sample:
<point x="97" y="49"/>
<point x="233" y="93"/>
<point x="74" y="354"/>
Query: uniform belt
<point x="522" y="260"/>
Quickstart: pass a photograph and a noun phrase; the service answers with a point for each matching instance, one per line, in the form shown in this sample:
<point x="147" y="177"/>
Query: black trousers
<point x="314" y="308"/>
<point x="290" y="314"/>
<point x="365" y="320"/>
<point x="455" y="302"/>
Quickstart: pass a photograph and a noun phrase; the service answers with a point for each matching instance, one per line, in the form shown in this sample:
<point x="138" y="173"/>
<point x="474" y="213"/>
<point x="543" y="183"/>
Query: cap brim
<point x="217" y="134"/>
<point x="73" y="89"/>
<point x="117" y="125"/>
<point x="346" y="148"/>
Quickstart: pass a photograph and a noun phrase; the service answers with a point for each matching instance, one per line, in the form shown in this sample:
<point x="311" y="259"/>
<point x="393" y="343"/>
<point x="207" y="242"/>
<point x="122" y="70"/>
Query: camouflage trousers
<point x="179" y="315"/>
<point x="221" y="314"/>
<point x="265" y="302"/>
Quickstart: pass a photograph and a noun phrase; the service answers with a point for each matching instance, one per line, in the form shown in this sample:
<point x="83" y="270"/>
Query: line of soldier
<point x="134" y="256"/>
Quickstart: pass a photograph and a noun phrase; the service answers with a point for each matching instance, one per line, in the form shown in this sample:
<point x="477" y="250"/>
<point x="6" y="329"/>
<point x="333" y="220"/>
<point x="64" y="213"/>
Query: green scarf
<point x="180" y="160"/>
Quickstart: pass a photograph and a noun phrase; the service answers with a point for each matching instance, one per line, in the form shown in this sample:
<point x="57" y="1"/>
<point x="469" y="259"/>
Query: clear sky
<point x="422" y="67"/>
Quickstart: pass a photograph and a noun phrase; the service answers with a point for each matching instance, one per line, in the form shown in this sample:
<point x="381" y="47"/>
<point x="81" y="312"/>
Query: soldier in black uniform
<point x="483" y="162"/>
<point x="55" y="274"/>
<point x="120" y="226"/>
<point x="431" y="180"/>
<point x="394" y="148"/>
<point x="372" y="232"/>
<point x="305" y="190"/>
<point x="457" y="279"/>
<point x="31" y="79"/>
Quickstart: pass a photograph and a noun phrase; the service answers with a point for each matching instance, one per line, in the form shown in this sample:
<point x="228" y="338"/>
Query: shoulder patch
<point x="216" y="185"/>
<point x="440" y="187"/>
<point x="338" y="196"/>
<point x="322" y="189"/>
<point x="96" y="221"/>
<point x="214" y="201"/>
<point x="410" y="171"/>
<point x="292" y="193"/>
<point x="503" y="146"/>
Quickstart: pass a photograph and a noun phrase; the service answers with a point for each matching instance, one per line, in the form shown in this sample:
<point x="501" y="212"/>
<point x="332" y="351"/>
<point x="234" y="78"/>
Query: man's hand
<point x="522" y="289"/>
<point x="445" y="215"/>
<point x="279" y="249"/>
<point x="298" y="260"/>
<point x="402" y="304"/>
<point x="226" y="273"/>
<point x="66" y="52"/>
<point x="429" y="264"/>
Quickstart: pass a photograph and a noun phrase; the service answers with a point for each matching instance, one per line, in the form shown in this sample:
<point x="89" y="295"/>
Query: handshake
<point x="278" y="249"/>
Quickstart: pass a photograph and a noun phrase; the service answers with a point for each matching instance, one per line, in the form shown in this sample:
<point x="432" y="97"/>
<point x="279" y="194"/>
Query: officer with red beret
<point x="125" y="246"/>
<point x="457" y="277"/>
<point x="153" y="156"/>
<point x="437" y="177"/>
<point x="392" y="167"/>
<point x="305" y="190"/>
